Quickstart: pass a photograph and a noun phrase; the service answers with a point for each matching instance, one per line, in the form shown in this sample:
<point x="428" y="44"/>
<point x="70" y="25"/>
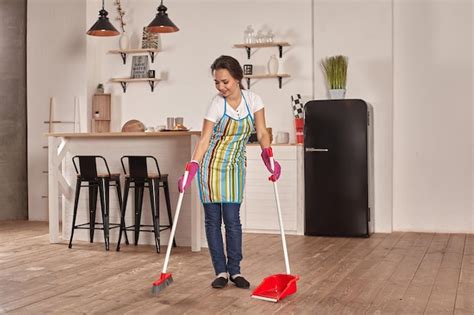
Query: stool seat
<point x="154" y="176"/>
<point x="111" y="176"/>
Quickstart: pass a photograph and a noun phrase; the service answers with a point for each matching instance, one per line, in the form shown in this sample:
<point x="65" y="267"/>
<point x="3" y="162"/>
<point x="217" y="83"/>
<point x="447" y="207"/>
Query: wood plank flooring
<point x="405" y="273"/>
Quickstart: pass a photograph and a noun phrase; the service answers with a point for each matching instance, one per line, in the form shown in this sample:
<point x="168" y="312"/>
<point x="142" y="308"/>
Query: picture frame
<point x="151" y="40"/>
<point x="140" y="67"/>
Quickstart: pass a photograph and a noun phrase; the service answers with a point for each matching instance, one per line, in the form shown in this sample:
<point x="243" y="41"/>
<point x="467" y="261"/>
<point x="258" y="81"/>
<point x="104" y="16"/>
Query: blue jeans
<point x="230" y="212"/>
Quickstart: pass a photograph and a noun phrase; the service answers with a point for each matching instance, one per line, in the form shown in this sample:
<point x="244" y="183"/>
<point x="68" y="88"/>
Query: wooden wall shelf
<point x="280" y="76"/>
<point x="124" y="52"/>
<point x="125" y="81"/>
<point x="249" y="47"/>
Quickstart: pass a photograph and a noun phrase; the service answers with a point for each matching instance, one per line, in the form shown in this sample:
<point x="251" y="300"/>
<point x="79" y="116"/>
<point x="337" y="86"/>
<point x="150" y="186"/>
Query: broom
<point x="166" y="278"/>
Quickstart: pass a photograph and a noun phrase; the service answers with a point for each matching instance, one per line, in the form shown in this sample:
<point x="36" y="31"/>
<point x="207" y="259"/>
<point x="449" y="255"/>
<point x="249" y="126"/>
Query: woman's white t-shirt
<point x="215" y="111"/>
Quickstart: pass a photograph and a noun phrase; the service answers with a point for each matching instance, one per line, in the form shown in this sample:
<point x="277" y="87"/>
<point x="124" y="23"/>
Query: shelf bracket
<point x="124" y="57"/>
<point x="280" y="82"/>
<point x="124" y="86"/>
<point x="152" y="56"/>
<point x="280" y="49"/>
<point x="248" y="49"/>
<point x="152" y="85"/>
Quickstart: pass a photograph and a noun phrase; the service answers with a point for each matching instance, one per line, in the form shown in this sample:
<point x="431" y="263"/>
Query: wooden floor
<point x="406" y="273"/>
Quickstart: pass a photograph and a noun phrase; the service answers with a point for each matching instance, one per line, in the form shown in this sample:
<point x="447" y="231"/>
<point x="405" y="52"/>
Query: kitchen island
<point x="172" y="150"/>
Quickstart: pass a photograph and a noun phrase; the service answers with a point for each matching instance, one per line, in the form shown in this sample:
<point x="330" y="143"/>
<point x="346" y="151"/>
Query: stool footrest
<point x="161" y="227"/>
<point x="83" y="226"/>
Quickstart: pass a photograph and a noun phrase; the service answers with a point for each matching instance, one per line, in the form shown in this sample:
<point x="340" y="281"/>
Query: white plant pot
<point x="124" y="41"/>
<point x="336" y="94"/>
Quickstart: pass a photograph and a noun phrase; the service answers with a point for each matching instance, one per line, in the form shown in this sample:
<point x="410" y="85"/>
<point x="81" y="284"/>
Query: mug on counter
<point x="179" y="121"/>
<point x="282" y="137"/>
<point x="170" y="123"/>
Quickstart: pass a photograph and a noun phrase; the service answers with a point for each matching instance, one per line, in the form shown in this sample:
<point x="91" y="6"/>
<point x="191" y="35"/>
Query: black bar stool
<point x="97" y="183"/>
<point x="139" y="177"/>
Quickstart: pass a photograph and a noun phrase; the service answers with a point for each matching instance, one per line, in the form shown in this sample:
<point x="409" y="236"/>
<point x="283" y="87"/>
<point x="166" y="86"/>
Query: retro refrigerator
<point x="338" y="168"/>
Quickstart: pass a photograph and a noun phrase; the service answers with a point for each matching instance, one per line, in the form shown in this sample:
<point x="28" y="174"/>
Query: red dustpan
<point x="276" y="287"/>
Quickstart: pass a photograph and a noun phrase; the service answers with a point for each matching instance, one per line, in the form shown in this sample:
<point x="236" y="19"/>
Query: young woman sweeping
<point x="220" y="161"/>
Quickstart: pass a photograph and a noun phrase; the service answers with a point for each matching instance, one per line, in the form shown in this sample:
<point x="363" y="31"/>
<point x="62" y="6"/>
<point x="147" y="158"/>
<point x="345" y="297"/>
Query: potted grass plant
<point x="335" y="71"/>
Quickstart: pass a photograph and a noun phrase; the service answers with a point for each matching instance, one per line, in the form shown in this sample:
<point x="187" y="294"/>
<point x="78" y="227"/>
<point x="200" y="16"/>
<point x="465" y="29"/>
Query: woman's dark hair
<point x="230" y="64"/>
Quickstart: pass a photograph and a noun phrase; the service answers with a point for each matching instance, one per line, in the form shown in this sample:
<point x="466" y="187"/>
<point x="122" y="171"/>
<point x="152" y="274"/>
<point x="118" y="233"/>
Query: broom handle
<point x="175" y="222"/>
<point x="280" y="220"/>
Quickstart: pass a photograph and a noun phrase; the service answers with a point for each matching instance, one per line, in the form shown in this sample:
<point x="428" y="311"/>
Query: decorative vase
<point x="123" y="41"/>
<point x="336" y="94"/>
<point x="272" y="65"/>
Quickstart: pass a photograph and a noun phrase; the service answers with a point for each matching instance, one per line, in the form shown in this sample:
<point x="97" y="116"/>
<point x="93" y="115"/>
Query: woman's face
<point x="225" y="83"/>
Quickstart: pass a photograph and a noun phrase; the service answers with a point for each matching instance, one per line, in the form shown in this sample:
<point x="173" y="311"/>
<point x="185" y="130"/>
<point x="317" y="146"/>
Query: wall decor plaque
<point x="139" y="67"/>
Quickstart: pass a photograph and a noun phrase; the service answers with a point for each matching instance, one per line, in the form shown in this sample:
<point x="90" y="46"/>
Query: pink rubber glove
<point x="192" y="167"/>
<point x="266" y="154"/>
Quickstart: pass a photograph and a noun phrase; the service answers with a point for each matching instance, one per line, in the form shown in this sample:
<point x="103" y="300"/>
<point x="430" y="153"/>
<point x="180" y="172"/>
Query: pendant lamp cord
<point x="103" y="4"/>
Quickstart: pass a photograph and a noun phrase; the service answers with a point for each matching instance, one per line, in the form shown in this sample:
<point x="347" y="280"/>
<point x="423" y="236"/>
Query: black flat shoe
<point x="219" y="283"/>
<point x="240" y="282"/>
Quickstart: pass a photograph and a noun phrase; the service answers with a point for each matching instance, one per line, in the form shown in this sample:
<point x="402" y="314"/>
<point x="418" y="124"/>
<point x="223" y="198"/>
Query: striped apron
<point x="222" y="172"/>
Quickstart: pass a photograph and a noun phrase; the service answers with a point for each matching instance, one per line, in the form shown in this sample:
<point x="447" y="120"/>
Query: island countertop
<point x="123" y="134"/>
<point x="142" y="134"/>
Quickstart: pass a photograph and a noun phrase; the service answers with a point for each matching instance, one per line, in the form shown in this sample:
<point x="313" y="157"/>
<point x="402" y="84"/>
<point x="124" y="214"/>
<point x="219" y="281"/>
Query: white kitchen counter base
<point x="172" y="150"/>
<point x="258" y="211"/>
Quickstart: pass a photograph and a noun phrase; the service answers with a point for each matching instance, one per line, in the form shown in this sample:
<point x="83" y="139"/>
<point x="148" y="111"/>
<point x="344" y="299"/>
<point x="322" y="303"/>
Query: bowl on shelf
<point x="133" y="126"/>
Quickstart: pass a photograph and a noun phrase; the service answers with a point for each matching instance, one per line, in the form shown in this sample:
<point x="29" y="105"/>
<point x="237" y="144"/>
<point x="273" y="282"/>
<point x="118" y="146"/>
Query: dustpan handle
<point x="280" y="220"/>
<point x="175" y="222"/>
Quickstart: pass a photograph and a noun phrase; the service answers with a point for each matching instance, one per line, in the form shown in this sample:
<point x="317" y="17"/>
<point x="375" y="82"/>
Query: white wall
<point x="433" y="158"/>
<point x="56" y="62"/>
<point x="423" y="118"/>
<point x="361" y="30"/>
<point x="208" y="29"/>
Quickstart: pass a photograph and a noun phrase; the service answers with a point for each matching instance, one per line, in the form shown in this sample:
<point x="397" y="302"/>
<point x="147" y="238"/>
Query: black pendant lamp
<point x="162" y="23"/>
<point x="103" y="27"/>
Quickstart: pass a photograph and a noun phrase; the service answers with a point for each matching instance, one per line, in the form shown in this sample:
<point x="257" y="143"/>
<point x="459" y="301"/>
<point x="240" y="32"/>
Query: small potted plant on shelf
<point x="100" y="88"/>
<point x="335" y="70"/>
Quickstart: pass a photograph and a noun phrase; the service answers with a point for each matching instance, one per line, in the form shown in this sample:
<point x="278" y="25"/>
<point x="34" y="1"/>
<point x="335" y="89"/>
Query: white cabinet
<point x="258" y="211"/>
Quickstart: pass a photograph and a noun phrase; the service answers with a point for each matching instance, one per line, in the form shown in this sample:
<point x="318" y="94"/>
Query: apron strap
<point x="248" y="109"/>
<point x="225" y="106"/>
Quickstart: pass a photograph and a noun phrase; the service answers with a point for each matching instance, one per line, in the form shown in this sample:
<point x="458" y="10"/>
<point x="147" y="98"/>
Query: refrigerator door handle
<point x="316" y="150"/>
